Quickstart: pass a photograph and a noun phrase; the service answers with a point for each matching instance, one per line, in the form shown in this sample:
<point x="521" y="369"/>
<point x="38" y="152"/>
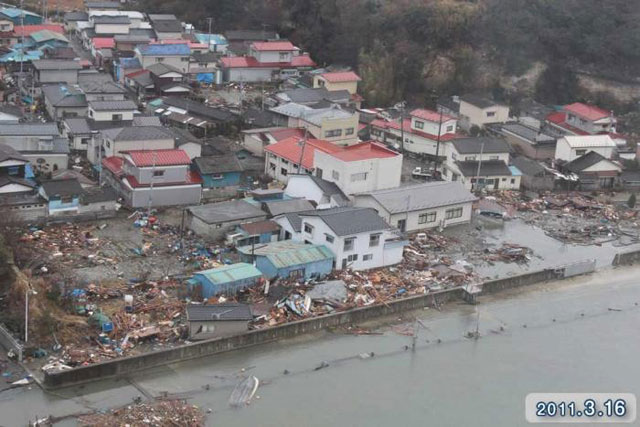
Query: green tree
<point x="558" y="84"/>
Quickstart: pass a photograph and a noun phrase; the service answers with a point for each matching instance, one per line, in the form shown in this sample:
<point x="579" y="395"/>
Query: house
<point x="418" y="207"/>
<point x="253" y="233"/>
<point x="217" y="320"/>
<point x="62" y="101"/>
<point x="126" y="43"/>
<point x="176" y="55"/>
<point x="255" y="140"/>
<point x="228" y="279"/>
<point x="367" y="166"/>
<point x="533" y="114"/>
<point x="56" y="71"/>
<point x="116" y="140"/>
<point x="153" y="178"/>
<point x="101" y="6"/>
<point x="266" y="61"/>
<point x="112" y="110"/>
<point x="324" y="194"/>
<point x="195" y="116"/>
<point x="337" y="80"/>
<point x="311" y="96"/>
<point x="283" y="206"/>
<point x="100" y="87"/>
<point x="13" y="172"/>
<point x="40" y="143"/>
<point x="595" y="171"/>
<point x="216" y="42"/>
<point x="483" y="160"/>
<point x="241" y="40"/>
<point x="110" y="25"/>
<point x="215" y="220"/>
<point x="569" y="148"/>
<point x="582" y="119"/>
<point x="62" y="196"/>
<point x="332" y="123"/>
<point x="222" y="176"/>
<point x="529" y="141"/>
<point x="166" y="27"/>
<point x="288" y="259"/>
<point x="535" y="177"/>
<point x="479" y="111"/>
<point x="10" y="114"/>
<point x="20" y="16"/>
<point x="359" y="238"/>
<point x="71" y="20"/>
<point x="168" y="80"/>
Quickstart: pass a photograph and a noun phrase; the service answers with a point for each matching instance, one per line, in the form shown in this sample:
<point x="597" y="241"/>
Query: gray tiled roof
<point x="62" y="187"/>
<point x="488" y="168"/>
<point x="254" y="35"/>
<point x="345" y="221"/>
<point x="476" y="145"/>
<point x="9" y="153"/>
<point x="77" y="125"/>
<point x="161" y="17"/>
<point x="218" y="164"/>
<point x="329" y="188"/>
<point x="528" y="133"/>
<point x="422" y="196"/>
<point x="288" y="206"/>
<point x="229" y="311"/>
<point x="64" y="96"/>
<point x="478" y="101"/>
<point x="232" y="210"/>
<point x="146" y="121"/>
<point x="105" y="19"/>
<point x="137" y="133"/>
<point x="30" y="129"/>
<point x="99" y="83"/>
<point x="56" y="64"/>
<point x="113" y="105"/>
<point x="76" y="16"/>
<point x="528" y="166"/>
<point x="167" y="26"/>
<point x="160" y="68"/>
<point x="584" y="162"/>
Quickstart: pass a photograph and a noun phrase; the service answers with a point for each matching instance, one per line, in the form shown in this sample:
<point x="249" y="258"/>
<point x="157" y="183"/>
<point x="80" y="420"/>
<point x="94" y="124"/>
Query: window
<point x="352" y="257"/>
<point x="108" y="144"/>
<point x="581" y="152"/>
<point x="329" y="238"/>
<point x="367" y="257"/>
<point x="217" y="176"/>
<point x="348" y="131"/>
<point x="362" y="176"/>
<point x="272" y="166"/>
<point x="571" y="116"/>
<point x="489" y="181"/>
<point x="218" y="225"/>
<point x="333" y="133"/>
<point x="450" y="128"/>
<point x="513" y="180"/>
<point x="494" y="157"/>
<point x="335" y="175"/>
<point x="419" y="124"/>
<point x="504" y="179"/>
<point x="159" y="59"/>
<point x="374" y="240"/>
<point x="349" y="243"/>
<point x="285" y="162"/>
<point x="284" y="56"/>
<point x="427" y="217"/>
<point x="491" y="113"/>
<point x="467" y="158"/>
<point x="158" y="173"/>
<point x="319" y="172"/>
<point x="116" y="117"/>
<point x="308" y="228"/>
<point x="283" y="171"/>
<point x="453" y="213"/>
<point x="184" y="59"/>
<point x="454" y="156"/>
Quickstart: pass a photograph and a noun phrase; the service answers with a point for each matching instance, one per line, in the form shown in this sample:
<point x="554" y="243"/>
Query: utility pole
<point x="435" y="169"/>
<point x="28" y="292"/>
<point x="402" y="107"/>
<point x="21" y="50"/>
<point x="304" y="143"/>
<point x="210" y="19"/>
<point x="153" y="172"/>
<point x="93" y="144"/>
<point x="479" y="166"/>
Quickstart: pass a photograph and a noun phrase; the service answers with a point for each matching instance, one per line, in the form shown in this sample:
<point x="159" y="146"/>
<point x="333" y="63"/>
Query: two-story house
<point x="569" y="148"/>
<point x="110" y="24"/>
<point x="479" y="111"/>
<point x="481" y="163"/>
<point x="56" y="71"/>
<point x="62" y="101"/>
<point x="100" y="87"/>
<point x="335" y="124"/>
<point x="175" y="54"/>
<point x="114" y="141"/>
<point x="367" y="166"/>
<point x="359" y="238"/>
<point x="266" y="61"/>
<point x="112" y="110"/>
<point x="40" y="143"/>
<point x="153" y="178"/>
<point x="337" y="80"/>
<point x="582" y="119"/>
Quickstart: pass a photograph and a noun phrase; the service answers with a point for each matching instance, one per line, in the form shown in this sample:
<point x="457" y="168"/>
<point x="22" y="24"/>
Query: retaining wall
<point x="627" y="258"/>
<point x="9" y="342"/>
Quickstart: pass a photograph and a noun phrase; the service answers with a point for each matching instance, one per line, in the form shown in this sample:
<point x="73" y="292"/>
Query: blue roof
<point x="15" y="56"/>
<point x="15" y="12"/>
<point x="164" y="49"/>
<point x="215" y="38"/>
<point x="515" y="171"/>
<point x="130" y="63"/>
<point x="230" y="273"/>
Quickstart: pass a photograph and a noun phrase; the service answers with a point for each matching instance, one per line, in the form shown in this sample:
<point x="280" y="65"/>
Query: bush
<point x="632" y="201"/>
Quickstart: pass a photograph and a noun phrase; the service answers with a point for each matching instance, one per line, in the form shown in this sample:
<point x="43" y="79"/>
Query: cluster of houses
<point x="307" y="182"/>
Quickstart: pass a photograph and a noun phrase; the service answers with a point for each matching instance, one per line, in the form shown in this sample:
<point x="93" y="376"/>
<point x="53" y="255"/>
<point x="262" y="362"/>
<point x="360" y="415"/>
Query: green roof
<point x="45" y="35"/>
<point x="230" y="273"/>
<point x="287" y="253"/>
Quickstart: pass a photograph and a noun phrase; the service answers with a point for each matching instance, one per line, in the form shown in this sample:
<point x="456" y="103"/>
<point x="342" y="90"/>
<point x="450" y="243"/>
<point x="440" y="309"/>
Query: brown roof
<point x="260" y="227"/>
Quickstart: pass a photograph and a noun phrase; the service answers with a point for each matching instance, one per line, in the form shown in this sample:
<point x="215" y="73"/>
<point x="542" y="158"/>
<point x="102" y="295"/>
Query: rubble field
<point x="163" y="413"/>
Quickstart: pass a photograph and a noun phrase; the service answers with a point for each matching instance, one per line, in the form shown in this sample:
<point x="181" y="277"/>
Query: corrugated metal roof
<point x="589" y="141"/>
<point x="230" y="273"/>
<point x="113" y="105"/>
<point x="230" y="311"/>
<point x="287" y="253"/>
<point x="142" y="158"/>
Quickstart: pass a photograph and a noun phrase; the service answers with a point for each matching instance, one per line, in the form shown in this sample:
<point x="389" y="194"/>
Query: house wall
<point x="381" y="173"/>
<point x="168" y="36"/>
<point x="248" y="75"/>
<point x="58" y="113"/>
<point x="302" y="186"/>
<point x="163" y="196"/>
<point x="192" y="149"/>
<point x="145" y="175"/>
<point x="105" y="97"/>
<point x="229" y="179"/>
<point x="57" y="76"/>
<point x="564" y="151"/>
<point x="217" y="231"/>
<point x="352" y="87"/>
<point x="421" y="145"/>
<point x="112" y="28"/>
<point x="58" y="207"/>
<point x="271" y="56"/>
<point x="528" y="149"/>
<point x="381" y="256"/>
<point x="180" y="62"/>
<point x="311" y="269"/>
<point x="279" y="168"/>
<point x="221" y="328"/>
<point x="210" y="289"/>
<point x="338" y="124"/>
<point x="431" y="128"/>
<point x="505" y="183"/>
<point x="253" y="144"/>
<point x="48" y="161"/>
<point x="107" y="116"/>
<point x="592" y="127"/>
<point x="453" y="156"/>
<point x="471" y="115"/>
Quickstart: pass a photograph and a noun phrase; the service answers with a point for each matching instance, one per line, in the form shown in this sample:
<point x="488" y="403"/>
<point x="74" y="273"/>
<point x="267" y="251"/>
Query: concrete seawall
<point x="128" y="365"/>
<point x="627" y="258"/>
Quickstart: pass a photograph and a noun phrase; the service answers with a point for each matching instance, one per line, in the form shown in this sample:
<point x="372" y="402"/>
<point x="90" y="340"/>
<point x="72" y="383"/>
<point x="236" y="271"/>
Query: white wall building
<point x="479" y="111"/>
<point x="569" y="148"/>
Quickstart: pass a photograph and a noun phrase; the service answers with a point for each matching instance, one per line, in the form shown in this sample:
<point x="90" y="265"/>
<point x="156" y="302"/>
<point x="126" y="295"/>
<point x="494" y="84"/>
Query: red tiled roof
<point x="559" y="119"/>
<point x="30" y="29"/>
<point x="136" y="73"/>
<point x="273" y="46"/>
<point x="430" y="116"/>
<point x="113" y="164"/>
<point x="383" y="124"/>
<point x="291" y="149"/>
<point x="103" y="42"/>
<point x="586" y="111"/>
<point x="260" y="227"/>
<point x="284" y="133"/>
<point x="341" y="77"/>
<point x="169" y="157"/>
<point x="192" y="178"/>
<point x="251" y="62"/>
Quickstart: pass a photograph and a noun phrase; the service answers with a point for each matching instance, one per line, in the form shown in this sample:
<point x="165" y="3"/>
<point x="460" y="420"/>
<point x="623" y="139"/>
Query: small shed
<point x="289" y="259"/>
<point x="227" y="279"/>
<point x="213" y="321"/>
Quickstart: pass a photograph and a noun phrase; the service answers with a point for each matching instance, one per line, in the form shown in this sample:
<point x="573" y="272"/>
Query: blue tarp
<point x="205" y="77"/>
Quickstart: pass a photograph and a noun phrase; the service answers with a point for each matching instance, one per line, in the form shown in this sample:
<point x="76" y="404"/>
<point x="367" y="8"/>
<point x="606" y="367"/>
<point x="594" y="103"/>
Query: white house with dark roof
<point x="56" y="71"/>
<point x="323" y="193"/>
<point x="480" y="111"/>
<point x="62" y="101"/>
<point x="359" y="237"/>
<point x="421" y="206"/>
<point x="112" y="110"/>
<point x="571" y="147"/>
<point x="594" y="171"/>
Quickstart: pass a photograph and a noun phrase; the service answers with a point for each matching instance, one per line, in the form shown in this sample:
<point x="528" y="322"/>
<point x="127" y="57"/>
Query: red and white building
<point x="153" y="178"/>
<point x="266" y="61"/>
<point x="367" y="166"/>
<point x="420" y="131"/>
<point x="584" y="119"/>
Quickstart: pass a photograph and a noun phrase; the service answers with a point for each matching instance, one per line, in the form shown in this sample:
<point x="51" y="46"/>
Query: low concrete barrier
<point x="9" y="342"/>
<point x="627" y="258"/>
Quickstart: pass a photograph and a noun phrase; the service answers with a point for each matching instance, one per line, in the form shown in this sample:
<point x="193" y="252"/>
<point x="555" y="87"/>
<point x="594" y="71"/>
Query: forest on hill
<point x="420" y="49"/>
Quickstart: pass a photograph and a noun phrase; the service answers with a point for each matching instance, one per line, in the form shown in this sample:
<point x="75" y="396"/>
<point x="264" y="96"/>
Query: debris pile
<point x="508" y="253"/>
<point x="166" y="413"/>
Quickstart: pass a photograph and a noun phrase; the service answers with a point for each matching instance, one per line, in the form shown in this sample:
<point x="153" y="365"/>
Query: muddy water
<point x="453" y="382"/>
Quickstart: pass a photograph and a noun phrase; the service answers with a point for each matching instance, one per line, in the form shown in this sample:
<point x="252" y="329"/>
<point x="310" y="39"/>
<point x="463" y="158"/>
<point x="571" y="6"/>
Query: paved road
<point x="572" y="342"/>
